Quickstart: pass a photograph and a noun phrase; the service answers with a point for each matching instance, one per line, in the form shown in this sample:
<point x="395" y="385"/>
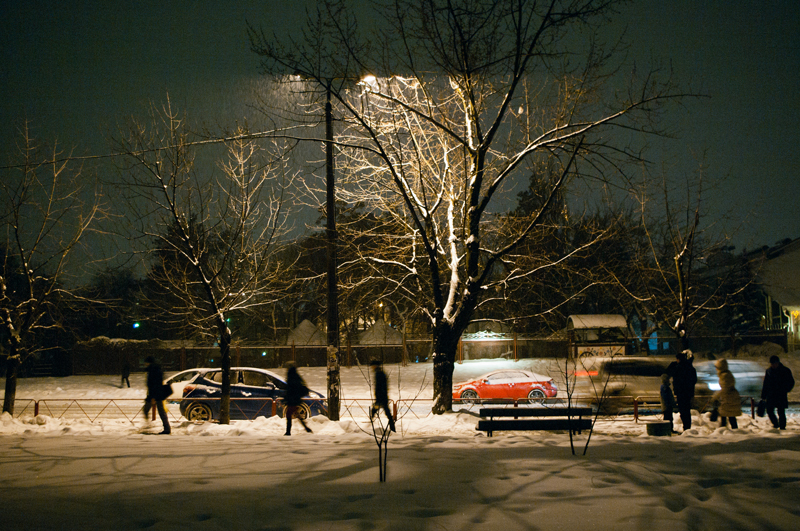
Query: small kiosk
<point x="604" y="335"/>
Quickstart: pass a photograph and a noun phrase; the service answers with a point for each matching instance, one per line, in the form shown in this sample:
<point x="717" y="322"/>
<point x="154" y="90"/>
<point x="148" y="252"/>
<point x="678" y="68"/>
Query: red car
<point x="505" y="384"/>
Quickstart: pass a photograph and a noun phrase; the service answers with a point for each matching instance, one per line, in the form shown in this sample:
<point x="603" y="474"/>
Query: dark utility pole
<point x="333" y="307"/>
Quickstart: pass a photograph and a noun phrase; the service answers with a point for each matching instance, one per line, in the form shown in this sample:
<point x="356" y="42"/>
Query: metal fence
<point x="128" y="409"/>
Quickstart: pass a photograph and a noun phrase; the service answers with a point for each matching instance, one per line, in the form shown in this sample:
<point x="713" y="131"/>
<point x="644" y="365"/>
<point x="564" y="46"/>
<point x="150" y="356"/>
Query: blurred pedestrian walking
<point x="156" y="393"/>
<point x="126" y="373"/>
<point x="381" y="393"/>
<point x="295" y="391"/>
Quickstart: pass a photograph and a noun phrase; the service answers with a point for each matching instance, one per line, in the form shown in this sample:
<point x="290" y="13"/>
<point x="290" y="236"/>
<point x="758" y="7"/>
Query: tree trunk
<point x="225" y="358"/>
<point x="334" y="383"/>
<point x="12" y="365"/>
<point x="445" y="346"/>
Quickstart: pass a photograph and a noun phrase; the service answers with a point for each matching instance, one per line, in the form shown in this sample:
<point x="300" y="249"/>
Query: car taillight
<point x="188" y="389"/>
<point x="585" y="373"/>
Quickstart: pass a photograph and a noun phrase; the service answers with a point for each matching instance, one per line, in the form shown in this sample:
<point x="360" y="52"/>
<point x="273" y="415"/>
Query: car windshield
<point x="214" y="376"/>
<point x="182" y="377"/>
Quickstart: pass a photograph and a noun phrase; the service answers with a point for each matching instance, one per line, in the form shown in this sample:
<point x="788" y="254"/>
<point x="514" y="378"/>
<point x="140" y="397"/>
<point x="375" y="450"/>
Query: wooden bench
<point x="568" y="419"/>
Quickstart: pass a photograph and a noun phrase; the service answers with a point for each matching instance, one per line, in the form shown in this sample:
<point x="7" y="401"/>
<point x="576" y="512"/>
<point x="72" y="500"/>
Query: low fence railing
<point x="93" y="409"/>
<point x="642" y="402"/>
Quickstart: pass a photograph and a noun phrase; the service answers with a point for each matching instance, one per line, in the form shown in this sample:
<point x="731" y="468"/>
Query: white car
<point x="179" y="380"/>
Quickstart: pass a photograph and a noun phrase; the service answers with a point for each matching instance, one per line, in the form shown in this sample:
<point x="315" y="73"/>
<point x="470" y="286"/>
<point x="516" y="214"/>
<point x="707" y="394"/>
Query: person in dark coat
<point x="155" y="393"/>
<point x="295" y="391"/>
<point x="684" y="378"/>
<point x="778" y="381"/>
<point x="126" y="373"/>
<point x="667" y="399"/>
<point x="381" y="393"/>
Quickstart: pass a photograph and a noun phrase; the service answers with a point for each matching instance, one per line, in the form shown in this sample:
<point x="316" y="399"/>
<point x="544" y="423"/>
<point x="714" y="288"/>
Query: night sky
<point x="77" y="69"/>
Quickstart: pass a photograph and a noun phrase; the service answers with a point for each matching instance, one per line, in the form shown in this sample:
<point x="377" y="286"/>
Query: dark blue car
<point x="254" y="393"/>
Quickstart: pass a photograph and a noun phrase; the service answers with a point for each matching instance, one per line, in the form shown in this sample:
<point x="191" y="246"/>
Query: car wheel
<point x="469" y="397"/>
<point x="536" y="396"/>
<point x="302" y="412"/>
<point x="198" y="413"/>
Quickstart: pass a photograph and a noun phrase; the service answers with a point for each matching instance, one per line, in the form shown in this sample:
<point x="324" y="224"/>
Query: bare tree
<point x="214" y="237"/>
<point x="674" y="276"/>
<point x="462" y="97"/>
<point x="48" y="209"/>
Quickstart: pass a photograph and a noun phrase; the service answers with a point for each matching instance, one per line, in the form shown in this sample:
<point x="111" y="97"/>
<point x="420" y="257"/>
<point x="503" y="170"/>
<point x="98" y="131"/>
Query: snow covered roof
<point x="780" y="277"/>
<point x="596" y="321"/>
<point x="306" y="333"/>
<point x="484" y="335"/>
<point x="380" y="334"/>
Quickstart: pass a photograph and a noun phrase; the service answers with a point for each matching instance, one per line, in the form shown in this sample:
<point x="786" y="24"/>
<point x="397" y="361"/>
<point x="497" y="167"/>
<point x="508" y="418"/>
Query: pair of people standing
<point x="727" y="400"/>
<point x="778" y="381"/>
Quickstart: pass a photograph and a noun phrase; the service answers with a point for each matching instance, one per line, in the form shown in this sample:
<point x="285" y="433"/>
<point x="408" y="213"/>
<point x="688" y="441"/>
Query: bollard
<point x="636" y="410"/>
<point x="274" y="408"/>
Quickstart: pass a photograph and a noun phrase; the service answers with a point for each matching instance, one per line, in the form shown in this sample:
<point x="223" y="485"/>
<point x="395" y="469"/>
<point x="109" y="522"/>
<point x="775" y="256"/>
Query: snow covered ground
<point x="442" y="474"/>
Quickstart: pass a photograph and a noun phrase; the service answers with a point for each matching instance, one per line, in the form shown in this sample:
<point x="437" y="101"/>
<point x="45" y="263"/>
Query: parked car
<point x="253" y="392"/>
<point x="749" y="376"/>
<point x="505" y="384"/>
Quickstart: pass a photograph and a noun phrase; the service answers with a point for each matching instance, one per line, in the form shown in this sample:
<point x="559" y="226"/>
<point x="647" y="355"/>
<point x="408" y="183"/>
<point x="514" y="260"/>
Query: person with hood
<point x="727" y="399"/>
<point x="684" y="378"/>
<point x="667" y="399"/>
<point x="156" y="393"/>
<point x="295" y="391"/>
<point x="778" y="381"/>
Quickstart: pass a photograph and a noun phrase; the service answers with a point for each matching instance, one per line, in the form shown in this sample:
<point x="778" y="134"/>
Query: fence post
<point x="752" y="407"/>
<point x="515" y="345"/>
<point x="36" y="408"/>
<point x="394" y="410"/>
<point x="636" y="410"/>
<point x="274" y="408"/>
